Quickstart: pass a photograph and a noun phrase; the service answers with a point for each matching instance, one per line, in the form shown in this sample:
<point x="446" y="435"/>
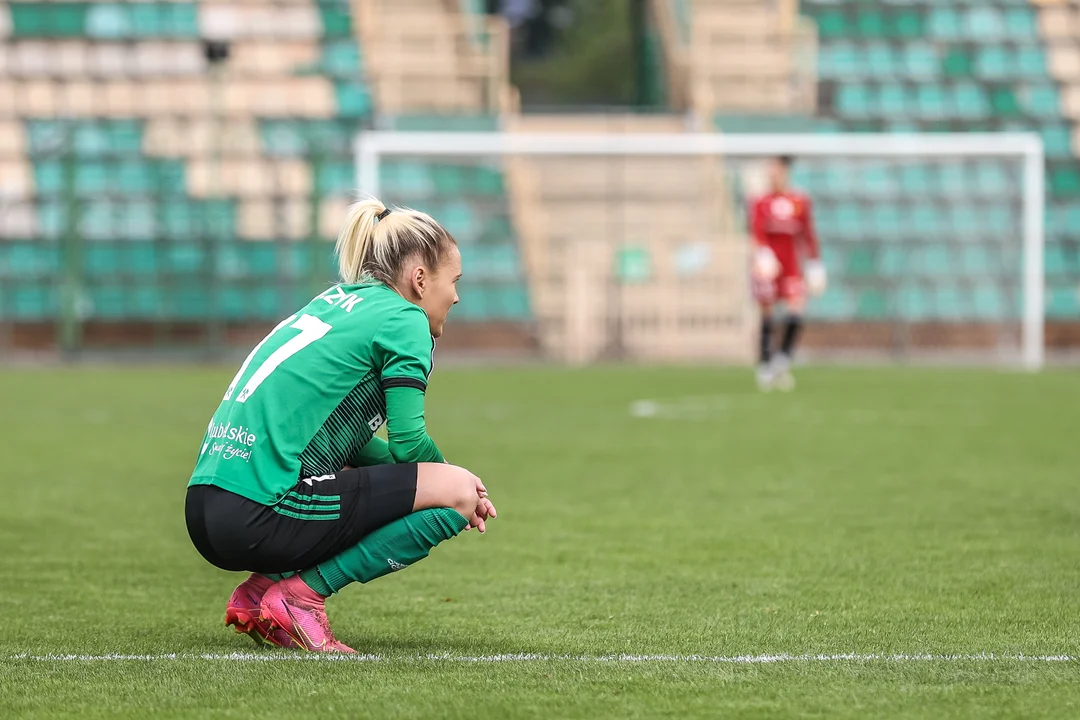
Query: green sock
<point x="277" y="577"/>
<point x="392" y="547"/>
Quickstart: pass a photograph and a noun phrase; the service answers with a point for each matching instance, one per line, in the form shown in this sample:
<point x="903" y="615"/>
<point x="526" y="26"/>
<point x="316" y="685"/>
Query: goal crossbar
<point x="371" y="147"/>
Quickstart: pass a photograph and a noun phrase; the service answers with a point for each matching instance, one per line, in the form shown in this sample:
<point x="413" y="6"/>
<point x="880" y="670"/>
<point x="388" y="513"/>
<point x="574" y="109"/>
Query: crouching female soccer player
<point x="269" y="493"/>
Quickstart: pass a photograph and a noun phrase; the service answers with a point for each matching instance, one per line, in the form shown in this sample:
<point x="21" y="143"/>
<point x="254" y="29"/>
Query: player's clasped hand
<point x="484" y="509"/>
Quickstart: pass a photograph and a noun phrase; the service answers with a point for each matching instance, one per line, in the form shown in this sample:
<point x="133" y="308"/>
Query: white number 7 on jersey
<point x="311" y="329"/>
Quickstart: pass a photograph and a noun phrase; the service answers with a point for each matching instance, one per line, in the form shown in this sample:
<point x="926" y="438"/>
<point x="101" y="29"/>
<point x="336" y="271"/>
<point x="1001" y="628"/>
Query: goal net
<point x="607" y="246"/>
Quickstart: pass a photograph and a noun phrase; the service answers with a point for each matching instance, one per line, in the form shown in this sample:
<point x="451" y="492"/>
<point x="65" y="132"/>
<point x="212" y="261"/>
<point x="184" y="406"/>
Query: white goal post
<point x="372" y="148"/>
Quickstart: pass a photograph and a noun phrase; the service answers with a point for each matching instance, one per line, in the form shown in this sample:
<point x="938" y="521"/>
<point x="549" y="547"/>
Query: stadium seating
<point x="172" y="190"/>
<point x="944" y="65"/>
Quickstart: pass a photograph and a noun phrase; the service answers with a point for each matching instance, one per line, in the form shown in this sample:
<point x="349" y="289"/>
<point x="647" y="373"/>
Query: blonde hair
<point x="375" y="243"/>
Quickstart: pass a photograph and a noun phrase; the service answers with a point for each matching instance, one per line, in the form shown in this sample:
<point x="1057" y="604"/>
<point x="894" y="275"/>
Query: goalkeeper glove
<point x="766" y="264"/>
<point x="816" y="277"/>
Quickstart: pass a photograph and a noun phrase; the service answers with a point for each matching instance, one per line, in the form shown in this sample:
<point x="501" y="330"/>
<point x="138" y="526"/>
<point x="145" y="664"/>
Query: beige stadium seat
<point x="1056" y="23"/>
<point x="258" y="20"/>
<point x="258" y="58"/>
<point x="1076" y="141"/>
<point x="82" y="98"/>
<point x="311" y="97"/>
<point x="18" y="220"/>
<point x="37" y="99"/>
<point x="122" y="99"/>
<point x="228" y="177"/>
<point x="290" y="177"/>
<point x="109" y="60"/>
<point x="12" y="139"/>
<point x="1070" y="102"/>
<point x="30" y="58"/>
<point x="16" y="178"/>
<point x="332" y="216"/>
<point x="7" y="98"/>
<point x="201" y="137"/>
<point x="155" y="59"/>
<point x="1065" y="61"/>
<point x="266" y="219"/>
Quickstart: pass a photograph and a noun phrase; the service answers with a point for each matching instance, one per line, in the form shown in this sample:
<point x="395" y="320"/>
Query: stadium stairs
<point x="629" y="257"/>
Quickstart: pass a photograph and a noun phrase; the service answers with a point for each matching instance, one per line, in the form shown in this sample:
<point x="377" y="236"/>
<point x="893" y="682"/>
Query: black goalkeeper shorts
<point x="318" y="519"/>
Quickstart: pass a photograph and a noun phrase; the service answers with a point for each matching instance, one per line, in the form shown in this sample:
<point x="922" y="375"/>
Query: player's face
<point x="440" y="292"/>
<point x="778" y="175"/>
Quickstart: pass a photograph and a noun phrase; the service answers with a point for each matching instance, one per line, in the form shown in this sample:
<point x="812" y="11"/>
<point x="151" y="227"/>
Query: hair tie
<point x="383" y="214"/>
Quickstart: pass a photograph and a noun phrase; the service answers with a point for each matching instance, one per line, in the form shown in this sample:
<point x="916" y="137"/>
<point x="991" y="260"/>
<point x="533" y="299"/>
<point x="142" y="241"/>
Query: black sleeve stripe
<point x="395" y="382"/>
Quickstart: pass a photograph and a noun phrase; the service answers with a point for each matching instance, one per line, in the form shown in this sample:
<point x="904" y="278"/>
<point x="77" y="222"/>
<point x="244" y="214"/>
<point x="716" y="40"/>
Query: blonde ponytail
<point x="375" y="242"/>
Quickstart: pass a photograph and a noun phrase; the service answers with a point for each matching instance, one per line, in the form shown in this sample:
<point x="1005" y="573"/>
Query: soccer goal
<point x="634" y="245"/>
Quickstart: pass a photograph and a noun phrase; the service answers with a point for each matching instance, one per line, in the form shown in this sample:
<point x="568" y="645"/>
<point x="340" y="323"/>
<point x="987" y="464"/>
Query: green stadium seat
<point x="914" y="179"/>
<point x="1031" y="62"/>
<point x="931" y="103"/>
<point x="988" y="302"/>
<point x="336" y="19"/>
<point x="943" y="24"/>
<point x="871" y="304"/>
<point x="341" y="59"/>
<point x="1004" y="103"/>
<point x="849" y="221"/>
<point x="1065" y="181"/>
<point x="1041" y="101"/>
<point x="893" y="261"/>
<point x="27" y="260"/>
<point x="958" y="63"/>
<point x="353" y="99"/>
<point x="1057" y="140"/>
<point x="869" y="23"/>
<point x="861" y="262"/>
<point x="108" y="21"/>
<point x="931" y="260"/>
<point x="970" y="101"/>
<point x="965" y="220"/>
<point x="912" y="301"/>
<point x="893" y="101"/>
<point x="921" y="61"/>
<point x="881" y="60"/>
<point x="1020" y="24"/>
<point x="950" y="303"/>
<point x="831" y="24"/>
<point x="992" y="179"/>
<point x="836" y="304"/>
<point x="1054" y="260"/>
<point x="984" y="24"/>
<point x="459" y="218"/>
<point x="33" y="302"/>
<point x="837" y="60"/>
<point x="995" y="62"/>
<point x="407" y="178"/>
<point x="924" y="220"/>
<point x="183" y="258"/>
<point x="1063" y="301"/>
<point x="853" y="101"/>
<point x="48" y="19"/>
<point x="334" y="178"/>
<point x="907" y="24"/>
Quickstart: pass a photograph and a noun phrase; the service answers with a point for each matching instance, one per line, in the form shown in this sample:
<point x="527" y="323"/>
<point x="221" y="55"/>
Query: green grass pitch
<point x="925" y="521"/>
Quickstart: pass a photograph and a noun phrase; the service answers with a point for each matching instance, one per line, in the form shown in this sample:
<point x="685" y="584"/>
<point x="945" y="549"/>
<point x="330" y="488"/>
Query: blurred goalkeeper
<point x="782" y="226"/>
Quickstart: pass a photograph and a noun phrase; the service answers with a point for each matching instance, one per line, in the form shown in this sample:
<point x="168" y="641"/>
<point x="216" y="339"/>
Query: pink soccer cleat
<point x="291" y="607"/>
<point x="243" y="613"/>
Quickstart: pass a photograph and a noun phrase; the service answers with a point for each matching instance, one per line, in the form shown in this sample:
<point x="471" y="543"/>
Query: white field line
<point x="277" y="656"/>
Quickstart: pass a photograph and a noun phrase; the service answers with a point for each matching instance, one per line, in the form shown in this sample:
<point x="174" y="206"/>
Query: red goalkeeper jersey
<point x="785" y="223"/>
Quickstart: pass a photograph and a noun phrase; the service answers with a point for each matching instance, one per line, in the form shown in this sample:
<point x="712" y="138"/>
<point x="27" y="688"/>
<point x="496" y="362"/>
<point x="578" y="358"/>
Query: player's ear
<point x="419" y="280"/>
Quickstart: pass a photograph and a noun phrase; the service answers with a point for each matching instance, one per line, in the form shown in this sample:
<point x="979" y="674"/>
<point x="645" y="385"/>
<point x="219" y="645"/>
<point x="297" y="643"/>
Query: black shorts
<point x="318" y="519"/>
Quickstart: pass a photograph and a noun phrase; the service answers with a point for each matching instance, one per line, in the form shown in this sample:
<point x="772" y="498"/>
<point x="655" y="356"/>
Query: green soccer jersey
<point x="312" y="393"/>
